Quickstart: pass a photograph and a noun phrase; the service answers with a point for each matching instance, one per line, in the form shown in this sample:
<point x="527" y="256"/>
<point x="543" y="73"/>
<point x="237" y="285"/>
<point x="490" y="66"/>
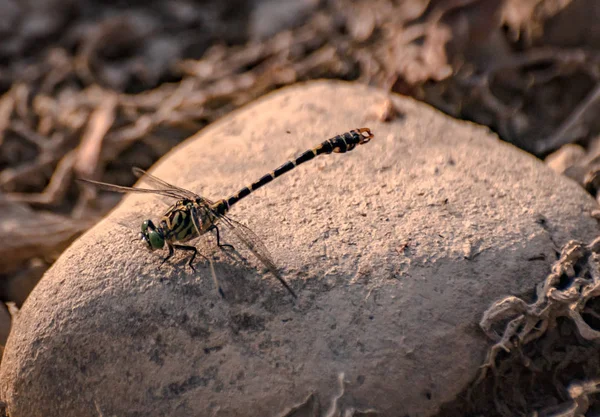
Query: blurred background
<point x="92" y="88"/>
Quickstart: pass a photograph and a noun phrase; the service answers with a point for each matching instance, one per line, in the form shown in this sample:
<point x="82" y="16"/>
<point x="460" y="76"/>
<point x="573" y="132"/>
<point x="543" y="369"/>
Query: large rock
<point x="395" y="250"/>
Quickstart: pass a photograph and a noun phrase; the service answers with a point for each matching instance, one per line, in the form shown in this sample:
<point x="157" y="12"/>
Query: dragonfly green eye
<point x="152" y="235"/>
<point x="145" y="226"/>
<point x="155" y="240"/>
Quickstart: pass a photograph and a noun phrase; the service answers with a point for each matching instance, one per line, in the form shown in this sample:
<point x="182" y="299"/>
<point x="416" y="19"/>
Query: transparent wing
<point x="196" y="222"/>
<point x="253" y="243"/>
<point x="163" y="185"/>
<point x="172" y="193"/>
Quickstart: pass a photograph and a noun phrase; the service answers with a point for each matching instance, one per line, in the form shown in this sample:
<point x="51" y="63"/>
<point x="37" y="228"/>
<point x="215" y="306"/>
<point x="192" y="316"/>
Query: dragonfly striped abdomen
<point x="338" y="144"/>
<point x="192" y="215"/>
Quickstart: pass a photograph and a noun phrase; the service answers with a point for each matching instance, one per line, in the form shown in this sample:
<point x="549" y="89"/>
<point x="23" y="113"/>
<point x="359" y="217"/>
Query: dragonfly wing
<point x="163" y="185"/>
<point x="253" y="243"/>
<point x="196" y="222"/>
<point x="122" y="189"/>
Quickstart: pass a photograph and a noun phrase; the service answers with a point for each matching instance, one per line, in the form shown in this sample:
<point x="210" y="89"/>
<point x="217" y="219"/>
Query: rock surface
<point x="394" y="249"/>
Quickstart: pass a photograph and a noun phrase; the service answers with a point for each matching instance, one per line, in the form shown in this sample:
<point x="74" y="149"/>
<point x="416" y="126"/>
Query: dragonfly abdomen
<point x="338" y="144"/>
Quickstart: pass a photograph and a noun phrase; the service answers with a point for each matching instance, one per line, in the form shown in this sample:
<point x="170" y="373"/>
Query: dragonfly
<point x="193" y="215"/>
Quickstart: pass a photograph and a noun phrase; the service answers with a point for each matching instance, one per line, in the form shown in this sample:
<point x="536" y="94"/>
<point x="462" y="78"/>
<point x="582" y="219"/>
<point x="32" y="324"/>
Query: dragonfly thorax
<point x="185" y="220"/>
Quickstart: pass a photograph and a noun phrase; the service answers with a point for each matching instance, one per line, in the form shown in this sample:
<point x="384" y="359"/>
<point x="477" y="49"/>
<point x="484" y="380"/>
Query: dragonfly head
<point x="152" y="235"/>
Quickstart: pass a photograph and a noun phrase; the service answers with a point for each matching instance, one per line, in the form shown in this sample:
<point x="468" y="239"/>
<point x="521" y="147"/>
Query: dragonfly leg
<point x="189" y="249"/>
<point x="219" y="244"/>
<point x="169" y="256"/>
